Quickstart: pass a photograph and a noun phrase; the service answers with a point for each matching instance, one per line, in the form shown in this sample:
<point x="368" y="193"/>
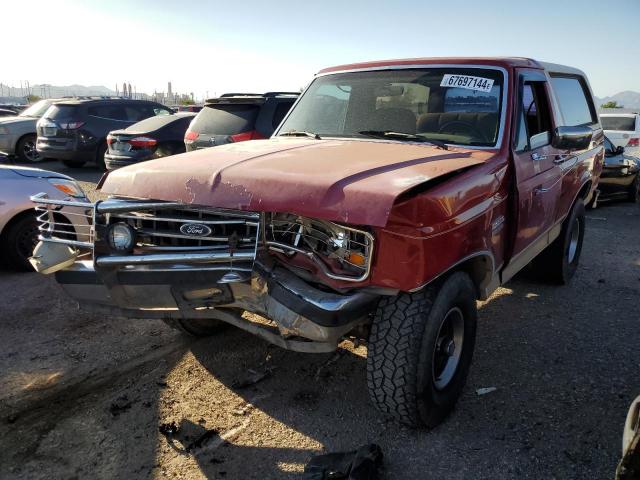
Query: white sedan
<point x="19" y="220"/>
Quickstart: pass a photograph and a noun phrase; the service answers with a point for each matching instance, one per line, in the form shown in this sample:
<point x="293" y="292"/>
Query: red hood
<point x="348" y="181"/>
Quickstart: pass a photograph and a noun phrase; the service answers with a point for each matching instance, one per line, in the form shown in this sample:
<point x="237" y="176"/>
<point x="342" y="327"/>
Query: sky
<point x="212" y="47"/>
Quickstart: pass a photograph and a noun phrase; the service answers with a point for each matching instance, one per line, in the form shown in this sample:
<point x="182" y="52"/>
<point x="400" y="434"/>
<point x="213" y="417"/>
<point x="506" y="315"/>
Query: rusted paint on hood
<point x="347" y="181"/>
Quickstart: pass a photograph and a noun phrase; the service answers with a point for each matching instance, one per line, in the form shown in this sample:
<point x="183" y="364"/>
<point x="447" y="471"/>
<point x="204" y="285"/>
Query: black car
<point x="5" y="112"/>
<point x="620" y="177"/>
<point x="236" y="117"/>
<point x="75" y="131"/>
<point x="154" y="137"/>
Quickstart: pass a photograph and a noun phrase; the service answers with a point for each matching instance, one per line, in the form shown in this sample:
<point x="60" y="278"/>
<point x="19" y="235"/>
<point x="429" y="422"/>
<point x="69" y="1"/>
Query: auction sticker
<point x="467" y="81"/>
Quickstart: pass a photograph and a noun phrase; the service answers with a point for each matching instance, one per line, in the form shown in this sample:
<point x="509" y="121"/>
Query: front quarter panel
<point x="431" y="231"/>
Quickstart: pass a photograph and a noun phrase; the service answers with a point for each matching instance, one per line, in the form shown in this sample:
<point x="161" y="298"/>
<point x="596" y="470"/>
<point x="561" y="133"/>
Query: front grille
<point x="190" y="229"/>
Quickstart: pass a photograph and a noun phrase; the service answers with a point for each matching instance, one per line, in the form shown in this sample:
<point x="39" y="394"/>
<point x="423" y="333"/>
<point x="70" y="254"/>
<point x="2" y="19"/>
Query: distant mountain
<point x="71" y="90"/>
<point x="626" y="99"/>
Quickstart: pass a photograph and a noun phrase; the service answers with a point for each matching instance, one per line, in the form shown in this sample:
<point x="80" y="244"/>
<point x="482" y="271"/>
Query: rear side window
<point x="110" y="112"/>
<point x="61" y="112"/>
<point x="281" y="110"/>
<point x="572" y="95"/>
<point x="625" y="124"/>
<point x="225" y="119"/>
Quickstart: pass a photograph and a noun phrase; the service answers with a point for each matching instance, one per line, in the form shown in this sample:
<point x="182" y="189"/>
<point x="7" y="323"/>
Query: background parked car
<point x="18" y="225"/>
<point x="4" y="112"/>
<point x="620" y="177"/>
<point x="18" y="132"/>
<point x="623" y="130"/>
<point x="190" y="108"/>
<point x="75" y="131"/>
<point x="154" y="137"/>
<point x="236" y="117"/>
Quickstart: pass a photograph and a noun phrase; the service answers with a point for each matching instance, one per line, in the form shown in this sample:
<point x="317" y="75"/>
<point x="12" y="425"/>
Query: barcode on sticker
<point x="467" y="81"/>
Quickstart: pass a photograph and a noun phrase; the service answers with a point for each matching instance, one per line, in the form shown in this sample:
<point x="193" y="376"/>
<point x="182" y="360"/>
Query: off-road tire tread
<point x="394" y="347"/>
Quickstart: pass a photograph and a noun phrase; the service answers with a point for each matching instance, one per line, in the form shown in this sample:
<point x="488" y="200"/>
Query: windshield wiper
<point x="403" y="136"/>
<point x="300" y="133"/>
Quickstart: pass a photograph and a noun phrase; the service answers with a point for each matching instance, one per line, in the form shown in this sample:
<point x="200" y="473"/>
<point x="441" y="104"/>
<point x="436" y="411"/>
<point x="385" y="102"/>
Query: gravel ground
<point x="83" y="396"/>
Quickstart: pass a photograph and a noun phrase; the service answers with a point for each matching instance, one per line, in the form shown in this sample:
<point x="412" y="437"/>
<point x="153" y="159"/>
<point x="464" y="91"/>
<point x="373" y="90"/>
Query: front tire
<point x="26" y="149"/>
<point x="196" y="327"/>
<point x="19" y="241"/>
<point x="420" y="350"/>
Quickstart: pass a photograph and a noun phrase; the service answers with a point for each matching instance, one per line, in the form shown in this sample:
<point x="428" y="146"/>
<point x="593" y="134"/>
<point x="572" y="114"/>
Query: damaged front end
<point x="158" y="259"/>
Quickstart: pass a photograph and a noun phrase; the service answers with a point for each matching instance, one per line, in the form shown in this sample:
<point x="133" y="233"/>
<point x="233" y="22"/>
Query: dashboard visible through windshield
<point x="453" y="105"/>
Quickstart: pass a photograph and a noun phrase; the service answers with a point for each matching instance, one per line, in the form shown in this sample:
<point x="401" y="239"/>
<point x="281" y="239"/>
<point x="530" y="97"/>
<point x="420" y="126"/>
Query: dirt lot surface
<point x="84" y="396"/>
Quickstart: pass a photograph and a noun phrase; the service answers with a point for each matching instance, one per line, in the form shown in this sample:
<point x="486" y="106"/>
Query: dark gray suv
<point x="236" y="117"/>
<point x="75" y="131"/>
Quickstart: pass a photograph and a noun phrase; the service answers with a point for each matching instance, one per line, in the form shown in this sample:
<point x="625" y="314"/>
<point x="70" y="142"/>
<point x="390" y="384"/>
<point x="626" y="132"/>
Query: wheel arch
<point x="13" y="220"/>
<point x="481" y="268"/>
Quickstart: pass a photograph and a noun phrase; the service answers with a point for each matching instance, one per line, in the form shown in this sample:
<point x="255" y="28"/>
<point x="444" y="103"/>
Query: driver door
<point x="538" y="178"/>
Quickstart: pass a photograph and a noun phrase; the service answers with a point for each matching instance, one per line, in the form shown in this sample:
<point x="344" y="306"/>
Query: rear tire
<point x="73" y="163"/>
<point x="420" y="350"/>
<point x="634" y="190"/>
<point x="559" y="261"/>
<point x="100" y="162"/>
<point x="26" y="149"/>
<point x="19" y="241"/>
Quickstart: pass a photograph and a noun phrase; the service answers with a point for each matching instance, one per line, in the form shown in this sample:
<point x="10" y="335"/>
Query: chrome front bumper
<point x="220" y="275"/>
<point x="295" y="315"/>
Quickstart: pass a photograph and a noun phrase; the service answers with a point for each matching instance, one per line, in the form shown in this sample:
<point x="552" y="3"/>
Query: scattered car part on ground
<point x="623" y="130"/>
<point x="361" y="464"/>
<point x="18" y="133"/>
<point x="154" y="137"/>
<point x="620" y="177"/>
<point x="392" y="210"/>
<point x="75" y="131"/>
<point x="237" y="117"/>
<point x="18" y="220"/>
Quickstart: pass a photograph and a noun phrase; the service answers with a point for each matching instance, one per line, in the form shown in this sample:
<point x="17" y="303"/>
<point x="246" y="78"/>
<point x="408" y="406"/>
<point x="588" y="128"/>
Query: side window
<point x="111" y="112"/>
<point x="575" y="103"/>
<point x="534" y="123"/>
<point x="161" y="111"/>
<point x="135" y="113"/>
<point x="280" y="111"/>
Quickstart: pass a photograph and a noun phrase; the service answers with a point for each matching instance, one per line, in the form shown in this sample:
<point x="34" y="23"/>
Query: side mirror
<point x="619" y="150"/>
<point x="571" y="138"/>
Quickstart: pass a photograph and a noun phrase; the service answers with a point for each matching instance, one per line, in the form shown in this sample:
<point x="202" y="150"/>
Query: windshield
<point x="453" y="105"/>
<point x="37" y="109"/>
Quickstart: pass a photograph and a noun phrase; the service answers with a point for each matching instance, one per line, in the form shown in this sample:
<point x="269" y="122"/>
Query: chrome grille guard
<point x="233" y="242"/>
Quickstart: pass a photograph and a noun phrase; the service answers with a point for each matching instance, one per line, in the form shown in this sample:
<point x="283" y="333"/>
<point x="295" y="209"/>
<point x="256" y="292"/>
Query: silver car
<point x="18" y="133"/>
<point x="18" y="219"/>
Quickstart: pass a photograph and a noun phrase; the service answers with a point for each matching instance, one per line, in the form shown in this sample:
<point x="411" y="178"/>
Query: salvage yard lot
<point x="84" y="396"/>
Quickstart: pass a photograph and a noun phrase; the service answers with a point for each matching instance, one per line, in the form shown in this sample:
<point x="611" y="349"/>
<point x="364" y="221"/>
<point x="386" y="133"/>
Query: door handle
<point x="540" y="190"/>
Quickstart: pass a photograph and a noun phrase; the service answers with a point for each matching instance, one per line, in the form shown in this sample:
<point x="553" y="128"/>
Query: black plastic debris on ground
<point x="121" y="404"/>
<point x="361" y="464"/>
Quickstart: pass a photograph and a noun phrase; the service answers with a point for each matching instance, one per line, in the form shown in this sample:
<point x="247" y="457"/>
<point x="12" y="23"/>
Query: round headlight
<point x="120" y="237"/>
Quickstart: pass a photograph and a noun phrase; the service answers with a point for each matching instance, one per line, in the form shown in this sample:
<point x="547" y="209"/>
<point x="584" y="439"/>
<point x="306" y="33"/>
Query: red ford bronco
<point x="392" y="197"/>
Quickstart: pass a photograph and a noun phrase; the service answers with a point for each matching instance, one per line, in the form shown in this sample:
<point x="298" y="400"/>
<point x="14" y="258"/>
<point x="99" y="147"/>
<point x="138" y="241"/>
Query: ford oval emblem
<point x="195" y="229"/>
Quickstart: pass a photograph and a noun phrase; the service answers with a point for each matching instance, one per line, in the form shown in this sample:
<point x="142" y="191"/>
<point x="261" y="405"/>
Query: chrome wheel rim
<point x="30" y="152"/>
<point x="573" y="242"/>
<point x="448" y="348"/>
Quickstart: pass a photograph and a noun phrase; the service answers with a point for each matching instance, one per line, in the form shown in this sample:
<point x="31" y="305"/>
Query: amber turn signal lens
<point x="356" y="258"/>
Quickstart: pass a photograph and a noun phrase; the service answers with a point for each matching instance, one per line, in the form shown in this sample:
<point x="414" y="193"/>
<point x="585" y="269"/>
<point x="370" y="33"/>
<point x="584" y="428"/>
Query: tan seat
<point x="393" y="119"/>
<point x="483" y="122"/>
